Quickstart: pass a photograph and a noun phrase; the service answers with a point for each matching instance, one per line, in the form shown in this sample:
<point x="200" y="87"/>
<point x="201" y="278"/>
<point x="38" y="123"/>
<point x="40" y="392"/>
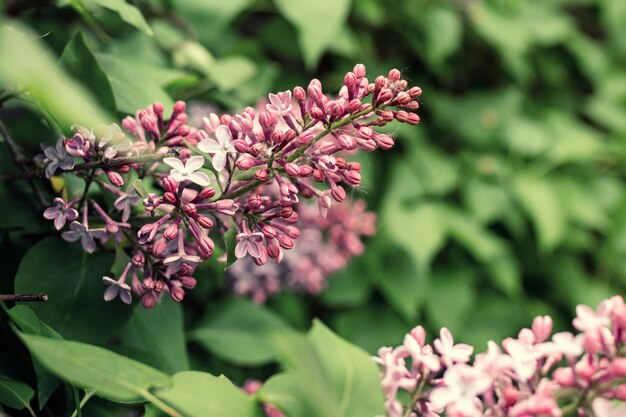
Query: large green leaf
<point x="112" y="376"/>
<point x="73" y="281"/>
<point x="198" y="394"/>
<point x="16" y="394"/>
<point x="127" y="12"/>
<point x="25" y="63"/>
<point x="29" y="323"/>
<point x="80" y="62"/>
<point x="241" y="332"/>
<point x="160" y="331"/>
<point x="318" y="24"/>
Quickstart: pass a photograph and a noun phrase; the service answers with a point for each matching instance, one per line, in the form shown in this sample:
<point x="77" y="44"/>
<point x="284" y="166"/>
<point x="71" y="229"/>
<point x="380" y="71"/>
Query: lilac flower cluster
<point x="531" y="375"/>
<point x="325" y="246"/>
<point x="244" y="174"/>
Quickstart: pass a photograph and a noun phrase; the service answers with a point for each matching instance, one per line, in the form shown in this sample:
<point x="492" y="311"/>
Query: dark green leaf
<point x="15" y="394"/>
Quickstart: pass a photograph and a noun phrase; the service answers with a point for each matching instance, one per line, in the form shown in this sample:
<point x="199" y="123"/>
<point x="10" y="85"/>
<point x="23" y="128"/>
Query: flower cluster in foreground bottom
<point x="240" y="178"/>
<point x="536" y="374"/>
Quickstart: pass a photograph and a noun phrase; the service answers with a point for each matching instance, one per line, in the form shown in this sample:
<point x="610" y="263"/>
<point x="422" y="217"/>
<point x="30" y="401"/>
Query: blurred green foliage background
<point x="507" y="201"/>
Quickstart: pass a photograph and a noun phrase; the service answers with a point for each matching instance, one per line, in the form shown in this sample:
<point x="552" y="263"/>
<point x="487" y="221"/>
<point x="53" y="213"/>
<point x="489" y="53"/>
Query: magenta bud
<point x="413" y="105"/>
<point x="169" y="197"/>
<point x="205" y="245"/>
<point x="384" y="141"/>
<point x="130" y="124"/>
<point x="188" y="282"/>
<point x="403" y="98"/>
<point x="148" y="300"/>
<point x="415" y="92"/>
<point x="292" y="231"/>
<point x="354" y="105"/>
<point x="305" y="170"/>
<point x="169" y="184"/>
<point x="292" y="169"/>
<point x="177" y="293"/>
<point x="158" y="107"/>
<point x="171" y="231"/>
<point x="353" y="178"/>
<point x="147" y="233"/>
<point x="380" y="82"/>
<point x="115" y="178"/>
<point x="346" y="142"/>
<point x="269" y="231"/>
<point x="267" y="119"/>
<point x="241" y="146"/>
<point x="246" y="162"/>
<point x="413" y="119"/>
<point x="138" y="259"/>
<point x="385" y="96"/>
<point x="191" y="210"/>
<point x="286" y="212"/>
<point x="338" y="193"/>
<point x="205" y="222"/>
<point x="179" y="107"/>
<point x="317" y="113"/>
<point x="159" y="247"/>
<point x="350" y="80"/>
<point x="318" y="175"/>
<point x="273" y="248"/>
<point x="306" y="193"/>
<point x="299" y="93"/>
<point x="359" y="70"/>
<point x="261" y="174"/>
<point x="124" y="169"/>
<point x="394" y="75"/>
<point x="315" y="91"/>
<point x="207" y="192"/>
<point x="254" y="202"/>
<point x="386" y="115"/>
<point x="354" y="166"/>
<point x="286" y="242"/>
<point x="402" y="116"/>
<point x="305" y="138"/>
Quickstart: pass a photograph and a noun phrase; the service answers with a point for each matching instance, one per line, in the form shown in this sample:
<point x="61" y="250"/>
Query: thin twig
<point x="104" y="163"/>
<point x="24" y="297"/>
<point x="19" y="159"/>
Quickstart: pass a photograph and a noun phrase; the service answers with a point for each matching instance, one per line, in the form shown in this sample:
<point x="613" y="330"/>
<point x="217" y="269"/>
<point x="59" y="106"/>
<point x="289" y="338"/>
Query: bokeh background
<point x="507" y="201"/>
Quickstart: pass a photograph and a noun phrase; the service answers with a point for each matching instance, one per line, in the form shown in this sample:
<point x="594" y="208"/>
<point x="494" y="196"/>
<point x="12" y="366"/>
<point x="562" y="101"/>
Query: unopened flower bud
<point x="286" y="242"/>
<point x="190" y="210"/>
<point x="169" y="197"/>
<point x="115" y="178"/>
<point x="171" y="231"/>
<point x="269" y="231"/>
<point x="261" y="174"/>
<point x="305" y="170"/>
<point x="241" y="146"/>
<point x="273" y="248"/>
<point x="394" y="75"/>
<point x="384" y="141"/>
<point x="292" y="169"/>
<point x="138" y="259"/>
<point x="413" y="119"/>
<point x="415" y="92"/>
<point x="188" y="282"/>
<point x="353" y="178"/>
<point x="159" y="247"/>
<point x="354" y="105"/>
<point x="338" y="193"/>
<point x="359" y="70"/>
<point x="169" y="184"/>
<point x="205" y="222"/>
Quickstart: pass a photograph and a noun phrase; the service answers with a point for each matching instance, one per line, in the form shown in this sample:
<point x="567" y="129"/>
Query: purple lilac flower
<point x="61" y="212"/>
<point x="55" y="157"/>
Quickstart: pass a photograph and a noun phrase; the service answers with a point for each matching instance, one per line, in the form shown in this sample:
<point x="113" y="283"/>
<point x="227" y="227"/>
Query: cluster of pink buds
<point x="325" y="246"/>
<point x="535" y="374"/>
<point x="245" y="173"/>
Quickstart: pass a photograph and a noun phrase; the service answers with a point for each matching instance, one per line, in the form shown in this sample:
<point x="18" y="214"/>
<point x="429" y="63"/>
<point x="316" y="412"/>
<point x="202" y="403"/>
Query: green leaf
<point x="25" y="63"/>
<point x="540" y="200"/>
<point x="28" y="322"/>
<point x="318" y="24"/>
<point x="230" y="241"/>
<point x="199" y="394"/>
<point x="112" y="376"/>
<point x="80" y="62"/>
<point x="230" y="72"/>
<point x="241" y="332"/>
<point x="16" y="394"/>
<point x="421" y="230"/>
<point x="451" y="296"/>
<point x="160" y="331"/>
<point x="127" y="12"/>
<point x="444" y="30"/>
<point x="353" y="375"/>
<point x="73" y="281"/>
<point x="282" y="391"/>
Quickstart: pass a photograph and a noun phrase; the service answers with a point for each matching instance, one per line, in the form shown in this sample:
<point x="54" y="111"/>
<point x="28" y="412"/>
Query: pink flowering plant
<point x="535" y="374"/>
<point x="246" y="180"/>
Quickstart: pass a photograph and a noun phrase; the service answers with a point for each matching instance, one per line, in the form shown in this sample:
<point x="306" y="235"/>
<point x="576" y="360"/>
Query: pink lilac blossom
<point x="260" y="164"/>
<point x="532" y="375"/>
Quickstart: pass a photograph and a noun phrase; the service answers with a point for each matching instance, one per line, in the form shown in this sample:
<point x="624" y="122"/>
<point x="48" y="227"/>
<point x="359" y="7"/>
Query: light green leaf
<point x="230" y="242"/>
<point x="282" y="391"/>
<point x="451" y="296"/>
<point x="444" y="30"/>
<point x="199" y="394"/>
<point x="112" y="376"/>
<point x="241" y="332"/>
<point x="352" y="373"/>
<point x="25" y="63"/>
<point x="318" y="24"/>
<point x="127" y="12"/>
<point x="80" y="62"/>
<point x="230" y="72"/>
<point x="541" y="202"/>
<point x="421" y="231"/>
<point x="160" y="331"/>
<point x="73" y="281"/>
<point x="16" y="394"/>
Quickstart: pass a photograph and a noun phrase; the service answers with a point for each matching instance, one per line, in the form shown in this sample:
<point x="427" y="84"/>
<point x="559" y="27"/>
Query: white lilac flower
<point x="188" y="171"/>
<point x="219" y="147"/>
